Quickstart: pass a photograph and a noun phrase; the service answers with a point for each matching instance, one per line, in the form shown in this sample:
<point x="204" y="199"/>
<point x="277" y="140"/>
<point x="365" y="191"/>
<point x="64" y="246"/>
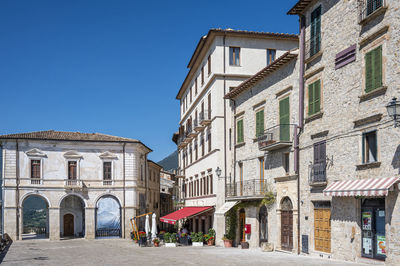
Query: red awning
<point x="361" y="187"/>
<point x="183" y="213"/>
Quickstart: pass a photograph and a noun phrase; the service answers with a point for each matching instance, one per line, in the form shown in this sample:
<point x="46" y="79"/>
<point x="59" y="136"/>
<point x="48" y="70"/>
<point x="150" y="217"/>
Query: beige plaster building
<point x="349" y="154"/>
<point x="264" y="117"/>
<point x="90" y="183"/>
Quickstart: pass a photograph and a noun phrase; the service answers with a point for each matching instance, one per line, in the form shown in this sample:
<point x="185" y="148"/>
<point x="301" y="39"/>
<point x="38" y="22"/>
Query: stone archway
<point x="287" y="224"/>
<point x="108" y="217"/>
<point x="35" y="217"/>
<point x="72" y="212"/>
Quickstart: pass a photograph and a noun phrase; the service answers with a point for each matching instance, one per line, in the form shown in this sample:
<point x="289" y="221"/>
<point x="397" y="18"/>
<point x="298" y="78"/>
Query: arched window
<point x="108" y="217"/>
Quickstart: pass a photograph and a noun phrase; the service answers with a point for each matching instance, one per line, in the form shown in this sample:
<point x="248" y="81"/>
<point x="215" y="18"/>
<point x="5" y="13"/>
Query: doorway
<point x="242" y="221"/>
<point x="68" y="224"/>
<point x="263" y="220"/>
<point x="287" y="224"/>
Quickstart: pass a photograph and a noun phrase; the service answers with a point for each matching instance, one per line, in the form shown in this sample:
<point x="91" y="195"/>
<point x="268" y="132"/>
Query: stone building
<point x="90" y="183"/>
<point x="264" y="117"/>
<point x="222" y="60"/>
<point x="167" y="185"/>
<point x="349" y="150"/>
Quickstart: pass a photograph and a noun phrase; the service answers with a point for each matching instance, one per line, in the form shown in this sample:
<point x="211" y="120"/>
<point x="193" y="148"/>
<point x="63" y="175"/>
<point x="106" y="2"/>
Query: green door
<point x="284" y="128"/>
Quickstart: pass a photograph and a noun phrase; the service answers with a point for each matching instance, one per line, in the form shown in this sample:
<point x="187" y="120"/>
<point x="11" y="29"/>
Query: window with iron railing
<point x="369" y="7"/>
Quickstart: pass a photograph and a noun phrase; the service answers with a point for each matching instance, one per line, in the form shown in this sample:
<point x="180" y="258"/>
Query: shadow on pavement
<point x="5" y="246"/>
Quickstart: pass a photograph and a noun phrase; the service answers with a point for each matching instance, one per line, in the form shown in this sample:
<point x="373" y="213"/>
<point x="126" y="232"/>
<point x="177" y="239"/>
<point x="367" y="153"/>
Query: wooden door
<point x="322" y="229"/>
<point x="287" y="230"/>
<point x="68" y="225"/>
<point x="242" y="222"/>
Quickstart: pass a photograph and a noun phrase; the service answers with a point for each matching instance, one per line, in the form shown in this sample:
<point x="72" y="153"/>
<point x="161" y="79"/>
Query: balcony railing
<point x="73" y="183"/>
<point x="312" y="46"/>
<point x="276" y="137"/>
<point x="107" y="182"/>
<point x="35" y="181"/>
<point x="246" y="188"/>
<point x="317" y="174"/>
<point x="369" y="7"/>
<point x="205" y="117"/>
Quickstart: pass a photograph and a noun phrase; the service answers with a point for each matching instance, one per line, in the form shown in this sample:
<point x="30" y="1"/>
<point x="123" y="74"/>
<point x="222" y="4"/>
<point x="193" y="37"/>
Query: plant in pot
<point x="184" y="239"/>
<point x="142" y="238"/>
<point x="156" y="242"/>
<point x="210" y="237"/>
<point x="161" y="235"/>
<point x="197" y="239"/>
<point x="227" y="241"/>
<point x="170" y="239"/>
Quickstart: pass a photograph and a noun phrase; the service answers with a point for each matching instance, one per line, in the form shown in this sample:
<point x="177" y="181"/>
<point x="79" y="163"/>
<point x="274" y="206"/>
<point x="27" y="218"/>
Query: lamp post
<point x="393" y="109"/>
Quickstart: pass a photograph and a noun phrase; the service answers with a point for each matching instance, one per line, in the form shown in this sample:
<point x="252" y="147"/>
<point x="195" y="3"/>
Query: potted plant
<point x="227" y="241"/>
<point x="197" y="239"/>
<point x="170" y="239"/>
<point x="142" y="238"/>
<point x="184" y="239"/>
<point x="156" y="242"/>
<point x="210" y="237"/>
<point x="161" y="235"/>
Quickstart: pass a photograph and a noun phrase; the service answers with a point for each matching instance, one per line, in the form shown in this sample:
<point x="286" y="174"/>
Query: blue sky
<point x="113" y="66"/>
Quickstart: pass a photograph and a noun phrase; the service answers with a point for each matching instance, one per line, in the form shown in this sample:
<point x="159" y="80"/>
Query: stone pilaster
<point x="54" y="223"/>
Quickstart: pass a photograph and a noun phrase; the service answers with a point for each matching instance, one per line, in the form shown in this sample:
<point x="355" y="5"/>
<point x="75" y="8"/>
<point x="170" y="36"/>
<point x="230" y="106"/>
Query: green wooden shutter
<point x="240" y="131"/>
<point x="284" y="119"/>
<point x="311" y="99"/>
<point x="368" y="72"/>
<point x="378" y="67"/>
<point x="259" y="123"/>
<point x="317" y="96"/>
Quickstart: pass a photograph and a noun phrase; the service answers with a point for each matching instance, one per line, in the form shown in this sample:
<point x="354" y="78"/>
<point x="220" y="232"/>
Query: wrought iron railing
<point x="368" y="7"/>
<point x="313" y="46"/>
<point x="282" y="133"/>
<point x="106" y="232"/>
<point x="317" y="173"/>
<point x="246" y="188"/>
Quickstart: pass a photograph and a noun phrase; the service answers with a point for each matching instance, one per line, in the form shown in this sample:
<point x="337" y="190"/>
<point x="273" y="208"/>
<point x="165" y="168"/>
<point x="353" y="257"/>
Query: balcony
<point x="197" y="126"/>
<point x="317" y="174"/>
<point x="73" y="184"/>
<point x="181" y="142"/>
<point x="35" y="181"/>
<point x="107" y="182"/>
<point x="276" y="137"/>
<point x="312" y="47"/>
<point x="188" y="135"/>
<point x="370" y="9"/>
<point x="193" y="133"/>
<point x="205" y="117"/>
<point x="251" y="189"/>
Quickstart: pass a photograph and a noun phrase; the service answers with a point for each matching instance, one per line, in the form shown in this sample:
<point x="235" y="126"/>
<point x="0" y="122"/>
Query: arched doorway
<point x="287" y="224"/>
<point x="72" y="217"/>
<point x="242" y="222"/>
<point x="263" y="219"/>
<point x="108" y="217"/>
<point x="35" y="217"/>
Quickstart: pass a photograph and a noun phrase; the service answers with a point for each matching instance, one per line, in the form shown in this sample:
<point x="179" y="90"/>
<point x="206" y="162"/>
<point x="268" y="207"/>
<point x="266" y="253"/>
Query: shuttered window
<point x="234" y="56"/>
<point x="259" y="123"/>
<point x="240" y="137"/>
<point x="107" y="170"/>
<point x="72" y="170"/>
<point x="35" y="169"/>
<point x="284" y="120"/>
<point x="314" y="97"/>
<point x="373" y="69"/>
<point x="315" y="40"/>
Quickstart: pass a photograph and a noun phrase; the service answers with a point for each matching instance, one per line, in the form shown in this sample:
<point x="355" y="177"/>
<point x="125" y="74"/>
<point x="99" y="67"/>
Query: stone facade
<point x="81" y="196"/>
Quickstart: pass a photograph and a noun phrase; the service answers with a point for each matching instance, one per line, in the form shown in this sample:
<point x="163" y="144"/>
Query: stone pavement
<point x="124" y="252"/>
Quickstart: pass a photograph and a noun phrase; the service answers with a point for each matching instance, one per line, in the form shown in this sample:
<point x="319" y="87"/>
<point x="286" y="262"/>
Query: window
<point x="373" y="5"/>
<point x="286" y="164"/>
<point x="230" y="138"/>
<point x="195" y="149"/>
<point x="107" y="171"/>
<point x="261" y="160"/>
<point x="284" y="119"/>
<point x="72" y="170"/>
<point x="209" y="64"/>
<point x="259" y="123"/>
<point x="190" y="95"/>
<point x="319" y="166"/>
<point x="209" y="106"/>
<point x="240" y="137"/>
<point x="369" y="147"/>
<point x="373" y="69"/>
<point x="204" y="186"/>
<point x="202" y="143"/>
<point x="234" y="56"/>
<point x="315" y="40"/>
<point x="209" y="139"/>
<point x="202" y="75"/>
<point x="270" y="56"/>
<point x="190" y="153"/>
<point x="211" y="184"/>
<point x="35" y="169"/>
<point x="314" y="97"/>
<point x="195" y="86"/>
<point x="201" y="187"/>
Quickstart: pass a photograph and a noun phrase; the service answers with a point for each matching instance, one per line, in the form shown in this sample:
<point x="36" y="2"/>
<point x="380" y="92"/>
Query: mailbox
<point x="247" y="228"/>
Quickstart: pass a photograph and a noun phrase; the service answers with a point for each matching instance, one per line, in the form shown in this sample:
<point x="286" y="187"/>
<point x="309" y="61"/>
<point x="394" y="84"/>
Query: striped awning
<point x="185" y="212"/>
<point x="361" y="187"/>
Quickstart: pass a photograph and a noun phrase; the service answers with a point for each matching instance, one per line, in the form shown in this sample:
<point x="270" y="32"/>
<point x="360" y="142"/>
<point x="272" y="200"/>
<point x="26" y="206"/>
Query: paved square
<point x="123" y="252"/>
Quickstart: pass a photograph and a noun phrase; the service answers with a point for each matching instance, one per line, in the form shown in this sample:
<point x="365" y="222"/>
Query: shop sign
<point x="380" y="245"/>
<point x="366" y="220"/>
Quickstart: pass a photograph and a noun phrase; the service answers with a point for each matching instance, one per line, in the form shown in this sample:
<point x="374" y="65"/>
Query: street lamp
<point x="218" y="171"/>
<point x="393" y="109"/>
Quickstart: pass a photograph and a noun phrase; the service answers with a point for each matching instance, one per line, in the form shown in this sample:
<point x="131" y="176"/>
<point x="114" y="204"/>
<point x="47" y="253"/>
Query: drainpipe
<point x="123" y="194"/>
<point x="17" y="188"/>
<point x="301" y="123"/>
<point x="224" y="120"/>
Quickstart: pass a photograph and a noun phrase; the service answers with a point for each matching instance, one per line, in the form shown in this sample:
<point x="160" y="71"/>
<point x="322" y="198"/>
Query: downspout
<point x="224" y="119"/>
<point x="123" y="182"/>
<point x="234" y="146"/>
<point x="145" y="182"/>
<point x="17" y="188"/>
<point x="301" y="123"/>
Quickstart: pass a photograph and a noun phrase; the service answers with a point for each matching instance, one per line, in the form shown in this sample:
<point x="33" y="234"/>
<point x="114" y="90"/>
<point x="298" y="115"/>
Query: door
<point x="68" y="225"/>
<point x="287" y="224"/>
<point x="322" y="229"/>
<point x="284" y="119"/>
<point x="242" y="221"/>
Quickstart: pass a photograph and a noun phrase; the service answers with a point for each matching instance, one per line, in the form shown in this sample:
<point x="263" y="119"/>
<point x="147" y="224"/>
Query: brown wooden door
<point x="287" y="230"/>
<point x="242" y="220"/>
<point x="322" y="229"/>
<point x="68" y="225"/>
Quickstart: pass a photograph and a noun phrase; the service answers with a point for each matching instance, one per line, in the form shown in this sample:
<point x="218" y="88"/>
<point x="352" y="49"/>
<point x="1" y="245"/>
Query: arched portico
<point x="35" y="216"/>
<point x="72" y="216"/>
<point x="108" y="216"/>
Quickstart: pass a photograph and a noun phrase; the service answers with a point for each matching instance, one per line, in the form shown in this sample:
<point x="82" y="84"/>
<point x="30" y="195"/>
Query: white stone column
<point x="219" y="226"/>
<point x="54" y="223"/>
<point x="90" y="222"/>
<point x="10" y="218"/>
